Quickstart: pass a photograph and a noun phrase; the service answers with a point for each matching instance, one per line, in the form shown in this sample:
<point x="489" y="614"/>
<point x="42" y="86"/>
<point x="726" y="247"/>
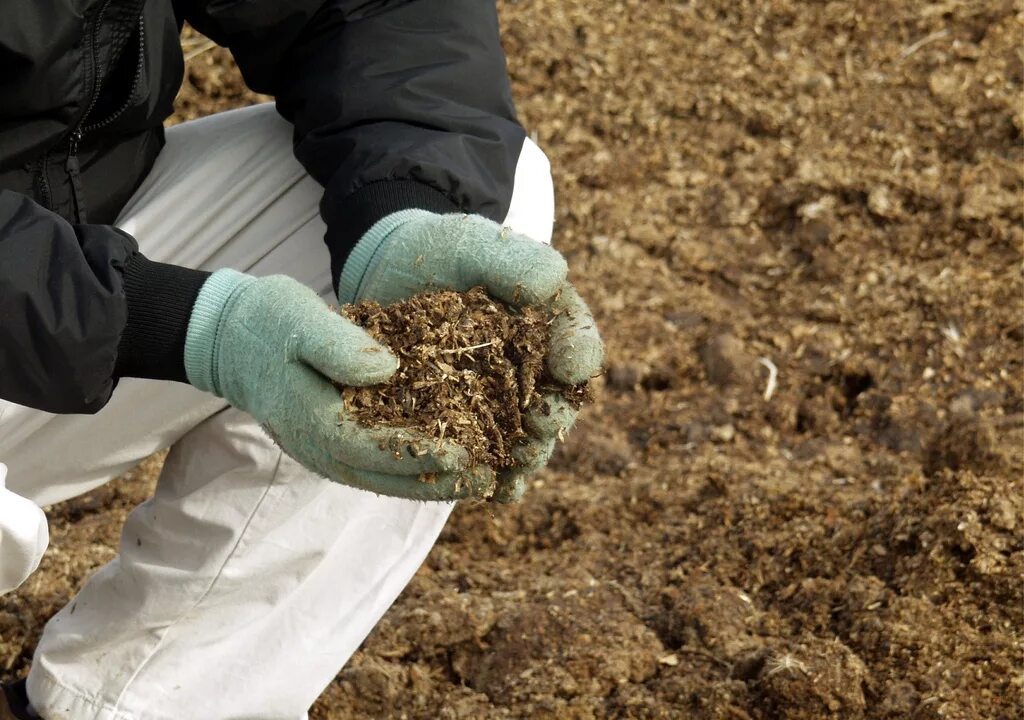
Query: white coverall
<point x="245" y="583"/>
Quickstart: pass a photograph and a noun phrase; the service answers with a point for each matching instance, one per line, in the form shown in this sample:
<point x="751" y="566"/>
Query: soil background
<point x="798" y="492"/>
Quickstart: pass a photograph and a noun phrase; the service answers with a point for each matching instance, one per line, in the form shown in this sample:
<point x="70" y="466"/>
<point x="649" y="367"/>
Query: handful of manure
<point x="469" y="366"/>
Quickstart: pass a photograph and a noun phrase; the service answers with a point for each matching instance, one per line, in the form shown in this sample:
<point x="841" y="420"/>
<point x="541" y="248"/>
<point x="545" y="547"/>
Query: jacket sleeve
<point x="396" y="103"/>
<point x="80" y="307"/>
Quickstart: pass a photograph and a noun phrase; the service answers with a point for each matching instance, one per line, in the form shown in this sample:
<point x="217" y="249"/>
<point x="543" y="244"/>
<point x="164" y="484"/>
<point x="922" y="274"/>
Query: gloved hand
<point x="270" y="347"/>
<point x="411" y="251"/>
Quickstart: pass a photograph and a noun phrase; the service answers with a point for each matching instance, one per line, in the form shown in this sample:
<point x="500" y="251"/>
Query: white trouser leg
<point x="245" y="583"/>
<point x="239" y="590"/>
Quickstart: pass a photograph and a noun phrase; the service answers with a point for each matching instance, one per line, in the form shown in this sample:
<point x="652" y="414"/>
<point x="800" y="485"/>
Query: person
<point x="163" y="289"/>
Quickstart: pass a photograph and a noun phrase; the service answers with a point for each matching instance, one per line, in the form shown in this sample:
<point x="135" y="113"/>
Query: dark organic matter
<point x="469" y="367"/>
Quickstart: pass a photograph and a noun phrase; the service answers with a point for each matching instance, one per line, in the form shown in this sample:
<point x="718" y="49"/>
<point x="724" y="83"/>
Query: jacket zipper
<point x="131" y="91"/>
<point x="72" y="166"/>
<point x="44" y="182"/>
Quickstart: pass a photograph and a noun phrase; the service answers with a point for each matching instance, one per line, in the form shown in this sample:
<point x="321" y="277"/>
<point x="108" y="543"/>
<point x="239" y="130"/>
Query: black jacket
<point x="396" y="104"/>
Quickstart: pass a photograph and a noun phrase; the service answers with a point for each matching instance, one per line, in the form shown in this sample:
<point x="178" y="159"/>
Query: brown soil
<point x="834" y="188"/>
<point x="468" y="369"/>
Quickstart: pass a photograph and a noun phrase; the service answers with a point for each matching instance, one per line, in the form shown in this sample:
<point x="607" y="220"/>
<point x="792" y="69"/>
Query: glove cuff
<point x="204" y="324"/>
<point x="365" y="254"/>
<point x="160" y="299"/>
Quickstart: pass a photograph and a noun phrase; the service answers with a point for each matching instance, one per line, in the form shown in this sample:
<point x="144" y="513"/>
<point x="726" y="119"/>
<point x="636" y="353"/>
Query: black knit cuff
<point x="349" y="219"/>
<point x="160" y="299"/>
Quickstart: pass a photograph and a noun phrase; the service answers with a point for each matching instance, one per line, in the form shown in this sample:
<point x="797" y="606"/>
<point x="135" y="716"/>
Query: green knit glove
<point x="411" y="251"/>
<point x="270" y="347"/>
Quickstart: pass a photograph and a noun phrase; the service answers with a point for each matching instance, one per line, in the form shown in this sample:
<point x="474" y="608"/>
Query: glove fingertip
<point x="446" y="456"/>
<point x="546" y="271"/>
<point x="534" y="454"/>
<point x="511" y="488"/>
<point x="398" y="450"/>
<point x="345" y="352"/>
<point x="452" y="457"/>
<point x="577" y="360"/>
<point x="554" y="417"/>
<point x="524" y="272"/>
<point x="477" y="482"/>
<point x="375" y="364"/>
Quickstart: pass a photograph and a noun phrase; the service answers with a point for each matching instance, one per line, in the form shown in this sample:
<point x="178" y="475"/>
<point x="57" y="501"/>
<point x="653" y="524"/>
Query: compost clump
<point x="470" y="366"/>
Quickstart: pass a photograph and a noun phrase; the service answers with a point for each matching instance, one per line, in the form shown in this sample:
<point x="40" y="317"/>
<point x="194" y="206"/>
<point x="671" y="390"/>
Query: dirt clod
<point x="469" y="367"/>
<point x="727" y="362"/>
<point x="965" y="442"/>
<point x="813" y="680"/>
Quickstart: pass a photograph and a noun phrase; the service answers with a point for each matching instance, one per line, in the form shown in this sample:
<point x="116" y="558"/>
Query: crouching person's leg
<point x="240" y="588"/>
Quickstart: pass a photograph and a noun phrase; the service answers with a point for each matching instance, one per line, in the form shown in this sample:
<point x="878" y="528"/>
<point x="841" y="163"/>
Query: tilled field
<point x="798" y="493"/>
